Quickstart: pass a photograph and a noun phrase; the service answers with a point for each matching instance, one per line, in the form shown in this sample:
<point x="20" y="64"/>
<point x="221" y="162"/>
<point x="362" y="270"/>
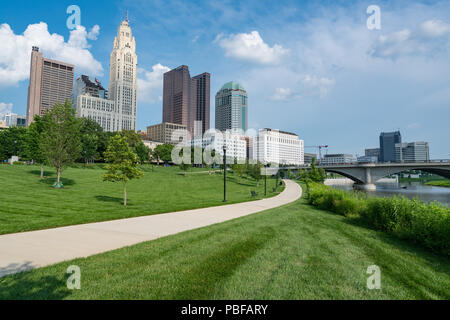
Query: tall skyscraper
<point x="122" y="77"/>
<point x="186" y="100"/>
<point x="51" y="82"/>
<point x="387" y="145"/>
<point x="412" y="151"/>
<point x="232" y="107"/>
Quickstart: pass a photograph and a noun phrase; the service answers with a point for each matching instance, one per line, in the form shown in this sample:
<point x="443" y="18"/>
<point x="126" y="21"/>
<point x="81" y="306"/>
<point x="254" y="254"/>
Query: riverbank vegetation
<point x="440" y="183"/>
<point x="427" y="225"/>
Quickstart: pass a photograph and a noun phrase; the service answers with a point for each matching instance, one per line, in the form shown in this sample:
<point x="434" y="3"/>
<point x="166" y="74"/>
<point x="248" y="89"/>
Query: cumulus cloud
<point x="251" y="47"/>
<point x="150" y="83"/>
<point x="5" y="108"/>
<point x="420" y="40"/>
<point x="282" y="94"/>
<point x="15" y="57"/>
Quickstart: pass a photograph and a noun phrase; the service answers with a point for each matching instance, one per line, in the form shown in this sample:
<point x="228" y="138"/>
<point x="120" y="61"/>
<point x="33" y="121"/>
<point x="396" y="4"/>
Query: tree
<point x="143" y="152"/>
<point x="12" y="142"/>
<point x="315" y="174"/>
<point x="255" y="172"/>
<point x="122" y="163"/>
<point x="163" y="152"/>
<point x="91" y="136"/>
<point x="33" y="149"/>
<point x="239" y="169"/>
<point x="60" y="139"/>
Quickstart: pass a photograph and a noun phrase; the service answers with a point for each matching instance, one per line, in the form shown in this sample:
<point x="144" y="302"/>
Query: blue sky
<point x="310" y="67"/>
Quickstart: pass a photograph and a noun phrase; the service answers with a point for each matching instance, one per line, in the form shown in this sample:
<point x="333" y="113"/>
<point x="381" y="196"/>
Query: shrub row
<point x="413" y="220"/>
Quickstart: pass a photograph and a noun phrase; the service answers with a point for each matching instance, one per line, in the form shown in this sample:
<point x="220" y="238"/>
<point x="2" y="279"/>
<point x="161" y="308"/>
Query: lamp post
<point x="224" y="173"/>
<point x="15" y="143"/>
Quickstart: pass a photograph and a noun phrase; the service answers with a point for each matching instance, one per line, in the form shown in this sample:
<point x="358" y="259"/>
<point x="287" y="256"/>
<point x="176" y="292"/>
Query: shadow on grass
<point x="110" y="199"/>
<point x="47" y="173"/>
<point x="65" y="181"/>
<point x="23" y="286"/>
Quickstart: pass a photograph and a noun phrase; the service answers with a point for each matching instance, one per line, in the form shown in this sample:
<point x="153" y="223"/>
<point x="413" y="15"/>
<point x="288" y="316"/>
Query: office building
<point x="51" y="82"/>
<point x="308" y="157"/>
<point x="164" y="133"/>
<point x="388" y="140"/>
<point x="412" y="152"/>
<point x="236" y="144"/>
<point x="123" y="77"/>
<point x="339" y="158"/>
<point x="232" y="108"/>
<point x="85" y="85"/>
<point x="3" y="125"/>
<point x="14" y="120"/>
<point x="186" y="100"/>
<point x="274" y="146"/>
<point x="367" y="159"/>
<point x="373" y="152"/>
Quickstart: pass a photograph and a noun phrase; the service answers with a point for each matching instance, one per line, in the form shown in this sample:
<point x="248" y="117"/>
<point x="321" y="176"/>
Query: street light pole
<point x="224" y="173"/>
<point x="265" y="181"/>
<point x="15" y="143"/>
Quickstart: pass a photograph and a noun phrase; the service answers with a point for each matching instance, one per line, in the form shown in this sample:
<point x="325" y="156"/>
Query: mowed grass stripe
<point x="291" y="252"/>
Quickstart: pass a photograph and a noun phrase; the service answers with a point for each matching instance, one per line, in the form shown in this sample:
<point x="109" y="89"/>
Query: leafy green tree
<point x="255" y="172"/>
<point x="33" y="147"/>
<point x="239" y="169"/>
<point x="60" y="139"/>
<point x="163" y="152"/>
<point x="122" y="163"/>
<point x="91" y="136"/>
<point x="143" y="152"/>
<point x="132" y="137"/>
<point x="13" y="142"/>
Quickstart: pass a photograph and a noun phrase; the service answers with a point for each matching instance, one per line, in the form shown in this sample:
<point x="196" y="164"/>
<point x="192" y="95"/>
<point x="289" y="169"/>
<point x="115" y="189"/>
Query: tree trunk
<point x="59" y="174"/>
<point x="125" y="194"/>
<point x="42" y="171"/>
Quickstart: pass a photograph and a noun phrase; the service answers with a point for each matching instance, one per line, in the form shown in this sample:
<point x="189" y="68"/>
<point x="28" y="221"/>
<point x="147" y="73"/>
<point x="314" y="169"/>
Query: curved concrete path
<point x="28" y="250"/>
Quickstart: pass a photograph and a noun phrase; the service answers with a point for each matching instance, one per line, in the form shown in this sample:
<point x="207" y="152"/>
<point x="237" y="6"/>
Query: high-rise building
<point x="274" y="146"/>
<point x="51" y="82"/>
<point x="235" y="144"/>
<point x="387" y="145"/>
<point x="85" y="85"/>
<point x="232" y="108"/>
<point x="339" y="158"/>
<point x="123" y="75"/>
<point x="412" y="152"/>
<point x="186" y="100"/>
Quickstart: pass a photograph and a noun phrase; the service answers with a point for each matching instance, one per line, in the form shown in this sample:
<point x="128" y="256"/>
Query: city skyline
<point x="312" y="97"/>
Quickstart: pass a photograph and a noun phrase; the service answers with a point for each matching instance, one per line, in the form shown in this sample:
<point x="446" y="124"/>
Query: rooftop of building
<point x="232" y="85"/>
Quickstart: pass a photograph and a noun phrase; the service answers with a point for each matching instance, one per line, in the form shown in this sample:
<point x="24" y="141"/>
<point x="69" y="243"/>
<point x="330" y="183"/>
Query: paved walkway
<point x="28" y="250"/>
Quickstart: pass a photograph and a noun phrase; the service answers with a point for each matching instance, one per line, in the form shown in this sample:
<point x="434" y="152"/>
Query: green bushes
<point x="424" y="224"/>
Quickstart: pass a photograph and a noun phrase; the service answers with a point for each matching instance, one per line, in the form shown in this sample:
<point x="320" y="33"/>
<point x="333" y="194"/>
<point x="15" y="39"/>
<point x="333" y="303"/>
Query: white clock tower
<point x="122" y="78"/>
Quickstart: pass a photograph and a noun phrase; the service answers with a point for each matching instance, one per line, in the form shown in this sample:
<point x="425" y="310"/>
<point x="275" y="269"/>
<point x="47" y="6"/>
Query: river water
<point x="410" y="190"/>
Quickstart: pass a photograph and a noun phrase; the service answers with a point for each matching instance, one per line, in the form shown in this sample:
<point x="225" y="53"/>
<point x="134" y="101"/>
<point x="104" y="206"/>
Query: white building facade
<point x="280" y="147"/>
<point x="235" y="144"/>
<point x="102" y="111"/>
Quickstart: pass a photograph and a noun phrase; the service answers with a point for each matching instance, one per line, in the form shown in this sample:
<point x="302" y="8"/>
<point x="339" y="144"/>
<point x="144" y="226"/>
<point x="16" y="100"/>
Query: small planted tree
<point x="33" y="143"/>
<point x="60" y="139"/>
<point x="122" y="163"/>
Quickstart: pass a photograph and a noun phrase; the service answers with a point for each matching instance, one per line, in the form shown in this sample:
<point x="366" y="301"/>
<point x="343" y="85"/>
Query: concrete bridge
<point x="366" y="174"/>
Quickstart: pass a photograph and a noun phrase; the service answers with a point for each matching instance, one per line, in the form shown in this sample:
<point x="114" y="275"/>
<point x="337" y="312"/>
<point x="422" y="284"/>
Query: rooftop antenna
<point x="127" y="15"/>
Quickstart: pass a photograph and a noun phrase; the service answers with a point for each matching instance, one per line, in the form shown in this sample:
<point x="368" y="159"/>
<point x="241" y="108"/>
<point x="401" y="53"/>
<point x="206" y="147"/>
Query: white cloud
<point x="15" y="57"/>
<point x="282" y="94"/>
<point x="94" y="32"/>
<point x="414" y="125"/>
<point x="150" y="83"/>
<point x="434" y="28"/>
<point x="419" y="41"/>
<point x="5" y="108"/>
<point x="251" y="47"/>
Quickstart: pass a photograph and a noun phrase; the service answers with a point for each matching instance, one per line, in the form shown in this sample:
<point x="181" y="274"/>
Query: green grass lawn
<point x="291" y="252"/>
<point x="441" y="183"/>
<point x="30" y="203"/>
